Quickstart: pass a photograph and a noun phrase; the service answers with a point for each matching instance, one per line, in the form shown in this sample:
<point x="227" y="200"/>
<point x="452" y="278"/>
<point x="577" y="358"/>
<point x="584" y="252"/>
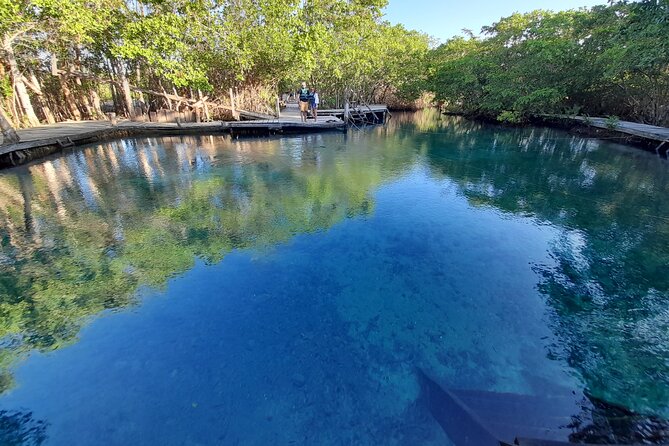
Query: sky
<point x="445" y="18"/>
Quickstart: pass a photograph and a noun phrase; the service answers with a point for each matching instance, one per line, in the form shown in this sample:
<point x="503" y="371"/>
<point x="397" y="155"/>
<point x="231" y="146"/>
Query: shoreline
<point x="579" y="126"/>
<point x="42" y="141"/>
<point x="13" y="155"/>
<point x="646" y="137"/>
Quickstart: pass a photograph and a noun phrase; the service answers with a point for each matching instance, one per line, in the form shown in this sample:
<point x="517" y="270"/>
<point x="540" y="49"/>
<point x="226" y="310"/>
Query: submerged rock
<point x="298" y="380"/>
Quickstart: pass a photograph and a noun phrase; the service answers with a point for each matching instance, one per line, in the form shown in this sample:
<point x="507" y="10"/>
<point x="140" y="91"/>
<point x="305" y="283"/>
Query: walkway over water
<point x="47" y="139"/>
<point x="646" y="132"/>
<point x="631" y="128"/>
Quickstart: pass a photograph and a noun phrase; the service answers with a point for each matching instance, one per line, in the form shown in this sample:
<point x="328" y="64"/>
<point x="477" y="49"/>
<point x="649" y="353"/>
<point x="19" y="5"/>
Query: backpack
<point x="304" y="94"/>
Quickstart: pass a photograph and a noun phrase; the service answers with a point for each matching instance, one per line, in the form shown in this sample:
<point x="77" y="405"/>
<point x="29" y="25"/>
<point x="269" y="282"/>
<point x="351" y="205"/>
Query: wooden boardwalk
<point x="44" y="140"/>
<point x="654" y="136"/>
<point x="73" y="133"/>
<point x="74" y="130"/>
<point x="660" y="134"/>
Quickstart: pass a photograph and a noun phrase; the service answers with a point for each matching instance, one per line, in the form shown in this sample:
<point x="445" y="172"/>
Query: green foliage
<point x="573" y="110"/>
<point x="342" y="47"/>
<point x="6" y="89"/>
<point x="608" y="60"/>
<point x="347" y="51"/>
<point x="612" y="122"/>
<point x="168" y="51"/>
<point x="510" y="117"/>
<point x="16" y="15"/>
<point x="543" y="100"/>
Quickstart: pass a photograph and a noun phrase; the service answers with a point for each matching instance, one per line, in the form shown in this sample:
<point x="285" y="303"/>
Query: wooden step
<point x="461" y="424"/>
<point x="474" y="417"/>
<point x="509" y="415"/>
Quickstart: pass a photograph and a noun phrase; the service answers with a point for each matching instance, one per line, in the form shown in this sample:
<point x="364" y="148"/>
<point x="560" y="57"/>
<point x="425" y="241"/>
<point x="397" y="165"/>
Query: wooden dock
<point x="650" y="136"/>
<point x="356" y="114"/>
<point x="44" y="140"/>
<point x="360" y="114"/>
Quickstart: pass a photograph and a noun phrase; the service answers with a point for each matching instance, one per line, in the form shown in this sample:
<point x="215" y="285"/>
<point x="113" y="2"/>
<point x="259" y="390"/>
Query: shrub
<point x="612" y="122"/>
<point x="510" y="117"/>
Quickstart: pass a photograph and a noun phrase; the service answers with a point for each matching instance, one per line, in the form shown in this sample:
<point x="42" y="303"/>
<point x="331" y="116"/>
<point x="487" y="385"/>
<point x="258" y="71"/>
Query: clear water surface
<point x="203" y="290"/>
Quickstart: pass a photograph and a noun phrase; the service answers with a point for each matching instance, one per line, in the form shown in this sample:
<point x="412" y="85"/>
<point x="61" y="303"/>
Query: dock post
<point x="347" y="112"/>
<point x="278" y="108"/>
<point x="235" y="116"/>
<point x="8" y="133"/>
<point x="112" y="119"/>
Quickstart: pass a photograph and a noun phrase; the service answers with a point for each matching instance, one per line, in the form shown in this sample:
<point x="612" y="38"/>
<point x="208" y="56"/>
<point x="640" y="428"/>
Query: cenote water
<point x="280" y="291"/>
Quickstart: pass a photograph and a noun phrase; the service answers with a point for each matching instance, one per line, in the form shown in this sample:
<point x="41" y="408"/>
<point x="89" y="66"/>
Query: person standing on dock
<point x="305" y="96"/>
<point x="315" y="101"/>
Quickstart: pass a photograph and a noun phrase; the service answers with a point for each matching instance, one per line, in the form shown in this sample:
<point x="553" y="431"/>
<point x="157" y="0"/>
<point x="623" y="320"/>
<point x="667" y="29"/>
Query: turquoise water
<point x="203" y="290"/>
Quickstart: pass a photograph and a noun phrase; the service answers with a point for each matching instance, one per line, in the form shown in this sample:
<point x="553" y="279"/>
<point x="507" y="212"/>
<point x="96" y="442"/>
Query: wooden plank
<point x="644" y="131"/>
<point x="83" y="132"/>
<point x="510" y="415"/>
<point x="71" y="133"/>
<point x="254" y="115"/>
<point x="537" y="442"/>
<point x="52" y="140"/>
<point x="556" y="417"/>
<point x="462" y="426"/>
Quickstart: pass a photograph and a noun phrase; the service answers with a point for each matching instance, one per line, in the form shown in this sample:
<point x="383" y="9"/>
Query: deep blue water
<point x="203" y="290"/>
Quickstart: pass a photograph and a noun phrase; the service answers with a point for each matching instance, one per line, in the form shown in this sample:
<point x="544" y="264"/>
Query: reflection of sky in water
<point x="283" y="291"/>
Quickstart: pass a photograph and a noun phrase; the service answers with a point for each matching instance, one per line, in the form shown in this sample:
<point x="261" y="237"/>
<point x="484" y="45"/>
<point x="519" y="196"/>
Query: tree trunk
<point x="90" y="113"/>
<point x="8" y="132"/>
<point x="36" y="87"/>
<point x="69" y="99"/>
<point x="125" y="86"/>
<point x="17" y="112"/>
<point x="95" y="100"/>
<point x="111" y="70"/>
<point x="176" y="107"/>
<point x="204" y="105"/>
<point x="27" y="189"/>
<point x="116" y="98"/>
<point x="19" y="86"/>
<point x="139" y="83"/>
<point x="67" y="93"/>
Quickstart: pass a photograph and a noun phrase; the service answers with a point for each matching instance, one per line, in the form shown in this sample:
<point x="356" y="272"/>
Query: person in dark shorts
<point x="313" y="103"/>
<point x="305" y="96"/>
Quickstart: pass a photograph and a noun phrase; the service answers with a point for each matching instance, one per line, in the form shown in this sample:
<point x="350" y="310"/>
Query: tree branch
<point x="29" y="84"/>
<point x="10" y="38"/>
<point x="195" y="103"/>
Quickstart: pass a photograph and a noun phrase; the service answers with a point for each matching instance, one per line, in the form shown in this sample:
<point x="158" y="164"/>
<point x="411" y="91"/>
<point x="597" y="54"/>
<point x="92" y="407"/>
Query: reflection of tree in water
<point x="19" y="429"/>
<point x="102" y="222"/>
<point x="79" y="234"/>
<point x="608" y="287"/>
